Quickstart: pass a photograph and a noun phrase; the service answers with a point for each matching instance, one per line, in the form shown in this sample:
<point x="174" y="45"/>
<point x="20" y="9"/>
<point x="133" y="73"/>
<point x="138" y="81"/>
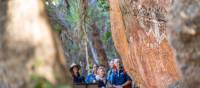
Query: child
<point x="101" y="77"/>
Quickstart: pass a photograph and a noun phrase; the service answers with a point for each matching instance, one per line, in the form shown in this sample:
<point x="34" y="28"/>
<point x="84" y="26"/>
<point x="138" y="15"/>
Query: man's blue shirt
<point x="109" y="75"/>
<point x="119" y="77"/>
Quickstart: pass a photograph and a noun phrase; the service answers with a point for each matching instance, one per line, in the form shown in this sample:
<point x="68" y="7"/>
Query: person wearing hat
<point x="77" y="78"/>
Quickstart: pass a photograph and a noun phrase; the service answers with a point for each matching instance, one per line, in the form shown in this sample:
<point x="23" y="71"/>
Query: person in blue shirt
<point x="77" y="78"/>
<point x="91" y="76"/>
<point x="110" y="70"/>
<point x="118" y="77"/>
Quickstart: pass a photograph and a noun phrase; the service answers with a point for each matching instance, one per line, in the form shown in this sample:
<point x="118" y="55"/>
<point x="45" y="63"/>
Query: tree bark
<point x="99" y="46"/>
<point x="95" y="33"/>
<point x="28" y="46"/>
<point x="139" y="34"/>
<point x="93" y="51"/>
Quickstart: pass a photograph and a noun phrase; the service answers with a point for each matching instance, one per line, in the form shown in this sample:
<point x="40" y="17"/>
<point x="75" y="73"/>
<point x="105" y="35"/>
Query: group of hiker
<point x="113" y="77"/>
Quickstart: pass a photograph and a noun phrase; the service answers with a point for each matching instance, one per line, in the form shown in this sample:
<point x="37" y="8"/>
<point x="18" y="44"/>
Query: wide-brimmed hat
<point x="74" y="65"/>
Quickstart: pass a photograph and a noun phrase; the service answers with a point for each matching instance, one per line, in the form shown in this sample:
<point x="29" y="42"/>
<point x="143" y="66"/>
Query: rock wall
<point x="184" y="23"/>
<point x="139" y="34"/>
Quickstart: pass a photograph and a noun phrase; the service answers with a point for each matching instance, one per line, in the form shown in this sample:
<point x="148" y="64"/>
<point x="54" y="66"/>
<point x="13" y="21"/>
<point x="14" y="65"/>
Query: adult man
<point x="118" y="77"/>
<point x="110" y="70"/>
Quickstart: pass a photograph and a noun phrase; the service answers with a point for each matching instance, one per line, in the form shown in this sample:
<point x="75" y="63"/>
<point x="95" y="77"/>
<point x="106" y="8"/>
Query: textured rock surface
<point x="184" y="22"/>
<point x="139" y="34"/>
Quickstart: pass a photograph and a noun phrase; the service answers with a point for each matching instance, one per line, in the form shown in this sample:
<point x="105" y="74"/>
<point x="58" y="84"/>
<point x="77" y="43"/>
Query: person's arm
<point x="129" y="80"/>
<point x="126" y="83"/>
<point x="87" y="79"/>
<point x="83" y="79"/>
<point x="108" y="75"/>
<point x="111" y="78"/>
<point x="123" y="85"/>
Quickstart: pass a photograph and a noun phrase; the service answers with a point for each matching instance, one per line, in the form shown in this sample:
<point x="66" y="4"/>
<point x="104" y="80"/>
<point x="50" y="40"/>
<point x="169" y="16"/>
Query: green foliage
<point x="35" y="77"/>
<point x="98" y="13"/>
<point x="57" y="27"/>
<point x="38" y="62"/>
<point x="73" y="14"/>
<point x="63" y="86"/>
<point x="43" y="84"/>
<point x="103" y="5"/>
<point x="40" y="82"/>
<point x="56" y="2"/>
<point x="107" y="36"/>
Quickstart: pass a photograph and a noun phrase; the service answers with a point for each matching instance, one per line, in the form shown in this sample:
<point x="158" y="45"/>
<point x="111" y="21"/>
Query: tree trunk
<point x="28" y="46"/>
<point x="99" y="46"/>
<point x="93" y="51"/>
<point x="95" y="33"/>
<point x="139" y="34"/>
<point x="184" y="36"/>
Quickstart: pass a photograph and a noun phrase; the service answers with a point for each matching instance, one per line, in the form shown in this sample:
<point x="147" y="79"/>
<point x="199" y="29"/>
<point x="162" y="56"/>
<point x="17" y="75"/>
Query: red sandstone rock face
<point x="139" y="34"/>
<point x="162" y="3"/>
